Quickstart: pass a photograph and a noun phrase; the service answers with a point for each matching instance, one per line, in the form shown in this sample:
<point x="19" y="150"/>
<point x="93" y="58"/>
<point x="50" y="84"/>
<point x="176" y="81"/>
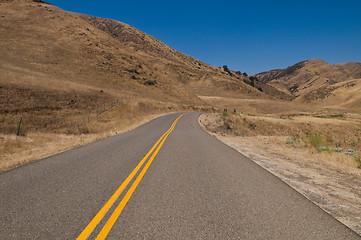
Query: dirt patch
<point x="330" y="181"/>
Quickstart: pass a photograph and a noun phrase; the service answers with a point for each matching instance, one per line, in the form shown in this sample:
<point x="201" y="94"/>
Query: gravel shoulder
<point x="335" y="189"/>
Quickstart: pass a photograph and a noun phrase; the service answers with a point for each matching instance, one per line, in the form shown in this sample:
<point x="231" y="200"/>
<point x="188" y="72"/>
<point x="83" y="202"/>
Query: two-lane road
<point x="167" y="179"/>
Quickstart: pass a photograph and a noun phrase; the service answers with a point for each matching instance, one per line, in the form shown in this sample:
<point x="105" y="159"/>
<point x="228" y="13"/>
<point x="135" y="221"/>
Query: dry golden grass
<point x="16" y="151"/>
<point x="266" y="117"/>
<point x="345" y="133"/>
<point x="19" y="150"/>
<point x="304" y="132"/>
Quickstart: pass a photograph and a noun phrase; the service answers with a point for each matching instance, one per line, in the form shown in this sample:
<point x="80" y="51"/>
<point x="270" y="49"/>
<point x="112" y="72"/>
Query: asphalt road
<point x="195" y="188"/>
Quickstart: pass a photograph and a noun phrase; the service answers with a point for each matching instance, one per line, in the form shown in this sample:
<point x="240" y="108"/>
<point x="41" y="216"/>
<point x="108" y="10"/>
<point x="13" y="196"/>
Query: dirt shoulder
<point x="332" y="185"/>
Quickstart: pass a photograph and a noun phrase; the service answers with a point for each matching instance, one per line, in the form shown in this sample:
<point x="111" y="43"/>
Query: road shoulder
<point x="336" y="191"/>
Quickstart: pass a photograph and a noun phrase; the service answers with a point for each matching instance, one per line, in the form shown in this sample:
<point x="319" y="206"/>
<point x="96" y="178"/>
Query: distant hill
<point x="310" y="80"/>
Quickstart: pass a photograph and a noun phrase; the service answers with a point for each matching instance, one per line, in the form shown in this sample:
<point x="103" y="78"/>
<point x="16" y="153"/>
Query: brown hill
<point x="310" y="80"/>
<point x="352" y="69"/>
<point x="62" y="69"/>
<point x="343" y="96"/>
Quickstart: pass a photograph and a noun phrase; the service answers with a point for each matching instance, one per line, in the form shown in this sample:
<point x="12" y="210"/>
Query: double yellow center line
<point x="113" y="218"/>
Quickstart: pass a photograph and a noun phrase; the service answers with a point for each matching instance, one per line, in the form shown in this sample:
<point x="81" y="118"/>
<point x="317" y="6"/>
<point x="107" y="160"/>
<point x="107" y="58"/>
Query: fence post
<point x="19" y="127"/>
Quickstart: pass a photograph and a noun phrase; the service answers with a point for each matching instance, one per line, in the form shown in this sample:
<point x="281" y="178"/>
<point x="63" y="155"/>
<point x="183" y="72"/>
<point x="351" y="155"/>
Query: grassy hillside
<point x="62" y="69"/>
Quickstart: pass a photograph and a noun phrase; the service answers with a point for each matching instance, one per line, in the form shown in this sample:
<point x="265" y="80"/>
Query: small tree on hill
<point x="226" y="69"/>
<point x="252" y="78"/>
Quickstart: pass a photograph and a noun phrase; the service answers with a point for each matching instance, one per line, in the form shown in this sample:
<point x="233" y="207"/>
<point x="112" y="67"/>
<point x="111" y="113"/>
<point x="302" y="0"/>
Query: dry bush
<point x="358" y="160"/>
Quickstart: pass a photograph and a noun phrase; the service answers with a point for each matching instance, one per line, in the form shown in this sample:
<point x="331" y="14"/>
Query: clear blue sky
<point x="249" y="36"/>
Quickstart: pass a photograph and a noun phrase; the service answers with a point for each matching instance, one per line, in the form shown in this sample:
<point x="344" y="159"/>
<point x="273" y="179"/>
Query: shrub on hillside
<point x="358" y="160"/>
<point x="252" y="78"/>
<point x="226" y="69"/>
<point x="315" y="139"/>
<point x="150" y="82"/>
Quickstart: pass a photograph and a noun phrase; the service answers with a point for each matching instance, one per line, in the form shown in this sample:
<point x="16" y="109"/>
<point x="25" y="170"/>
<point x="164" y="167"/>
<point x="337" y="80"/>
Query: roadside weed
<point x="358" y="160"/>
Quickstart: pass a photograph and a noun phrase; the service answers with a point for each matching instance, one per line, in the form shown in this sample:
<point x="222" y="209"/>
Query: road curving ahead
<point x="167" y="179"/>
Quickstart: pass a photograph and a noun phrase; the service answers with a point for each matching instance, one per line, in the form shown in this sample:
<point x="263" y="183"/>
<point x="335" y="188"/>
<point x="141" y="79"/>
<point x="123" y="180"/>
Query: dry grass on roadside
<point x="331" y="140"/>
<point x="38" y="142"/>
<point x="304" y="131"/>
<point x="19" y="150"/>
<point x="38" y="139"/>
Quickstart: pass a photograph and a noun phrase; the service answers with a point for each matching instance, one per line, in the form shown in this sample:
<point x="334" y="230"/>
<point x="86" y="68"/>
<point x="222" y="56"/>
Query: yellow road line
<point x="113" y="218"/>
<point x="91" y="226"/>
